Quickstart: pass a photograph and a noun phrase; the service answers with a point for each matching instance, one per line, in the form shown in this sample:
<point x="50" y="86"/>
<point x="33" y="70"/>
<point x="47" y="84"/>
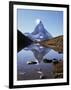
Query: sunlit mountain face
<point x="39" y="33"/>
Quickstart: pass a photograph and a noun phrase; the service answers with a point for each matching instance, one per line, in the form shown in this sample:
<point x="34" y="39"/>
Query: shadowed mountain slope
<point x="22" y="41"/>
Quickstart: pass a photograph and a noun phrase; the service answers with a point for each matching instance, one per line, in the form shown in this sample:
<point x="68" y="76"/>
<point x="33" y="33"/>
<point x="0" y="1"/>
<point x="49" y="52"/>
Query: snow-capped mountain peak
<point x="39" y="33"/>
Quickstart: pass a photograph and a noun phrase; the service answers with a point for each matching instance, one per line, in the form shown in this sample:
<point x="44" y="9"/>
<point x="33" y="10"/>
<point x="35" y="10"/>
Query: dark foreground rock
<point x="31" y="62"/>
<point x="47" y="61"/>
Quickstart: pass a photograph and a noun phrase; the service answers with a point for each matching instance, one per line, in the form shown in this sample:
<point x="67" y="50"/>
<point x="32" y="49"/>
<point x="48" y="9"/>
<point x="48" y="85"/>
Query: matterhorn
<point x="39" y="33"/>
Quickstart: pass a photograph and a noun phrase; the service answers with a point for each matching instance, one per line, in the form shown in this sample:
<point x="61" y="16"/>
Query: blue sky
<point x="52" y="20"/>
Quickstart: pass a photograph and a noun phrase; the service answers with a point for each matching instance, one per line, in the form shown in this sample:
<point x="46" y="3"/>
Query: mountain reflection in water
<point x="32" y="53"/>
<point x="38" y="51"/>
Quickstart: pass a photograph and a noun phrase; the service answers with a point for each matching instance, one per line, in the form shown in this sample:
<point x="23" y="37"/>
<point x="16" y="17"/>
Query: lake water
<point x="36" y="52"/>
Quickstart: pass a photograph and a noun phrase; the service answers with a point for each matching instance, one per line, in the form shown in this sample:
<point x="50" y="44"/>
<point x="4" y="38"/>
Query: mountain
<point x="22" y="41"/>
<point x="39" y="33"/>
<point x="55" y="43"/>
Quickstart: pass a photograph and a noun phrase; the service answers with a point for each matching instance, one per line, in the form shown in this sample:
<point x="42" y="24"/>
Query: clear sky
<point x="52" y="20"/>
